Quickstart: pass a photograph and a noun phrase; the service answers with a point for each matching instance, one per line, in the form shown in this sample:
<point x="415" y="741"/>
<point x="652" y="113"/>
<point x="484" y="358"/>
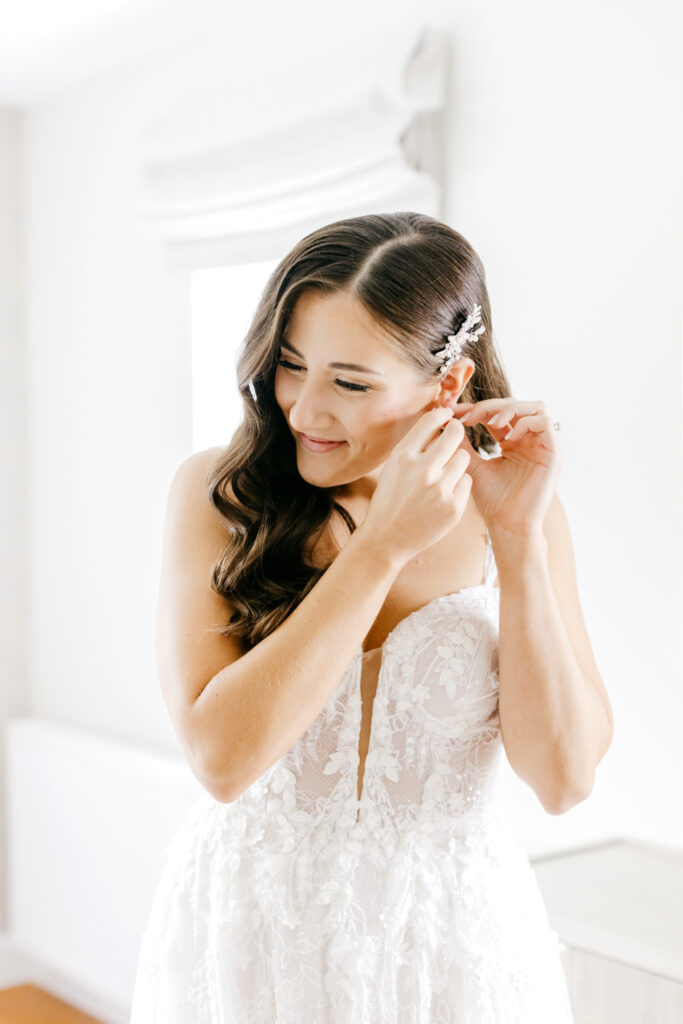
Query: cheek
<point x="378" y="428"/>
<point x="283" y="394"/>
<point x="392" y="426"/>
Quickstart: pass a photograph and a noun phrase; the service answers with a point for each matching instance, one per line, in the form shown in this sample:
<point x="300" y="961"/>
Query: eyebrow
<point x="337" y="366"/>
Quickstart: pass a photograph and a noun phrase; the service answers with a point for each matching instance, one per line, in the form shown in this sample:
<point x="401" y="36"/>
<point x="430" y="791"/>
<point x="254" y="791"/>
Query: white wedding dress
<point x="281" y="907"/>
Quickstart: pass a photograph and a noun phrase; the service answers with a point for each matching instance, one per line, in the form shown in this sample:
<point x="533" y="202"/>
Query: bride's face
<point x="368" y="404"/>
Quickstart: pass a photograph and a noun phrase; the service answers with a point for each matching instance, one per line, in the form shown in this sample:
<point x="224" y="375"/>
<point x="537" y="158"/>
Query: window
<point x="223" y="300"/>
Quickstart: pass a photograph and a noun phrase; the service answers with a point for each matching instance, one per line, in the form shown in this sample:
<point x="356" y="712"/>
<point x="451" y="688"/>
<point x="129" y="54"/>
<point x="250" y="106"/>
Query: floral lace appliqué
<point x="413" y="905"/>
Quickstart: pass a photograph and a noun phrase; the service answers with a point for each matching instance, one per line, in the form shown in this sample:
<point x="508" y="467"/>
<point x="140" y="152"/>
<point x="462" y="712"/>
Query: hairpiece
<point x="452" y="350"/>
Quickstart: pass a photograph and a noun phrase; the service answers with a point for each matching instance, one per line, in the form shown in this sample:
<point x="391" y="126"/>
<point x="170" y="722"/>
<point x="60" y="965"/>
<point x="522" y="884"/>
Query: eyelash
<point x="342" y="383"/>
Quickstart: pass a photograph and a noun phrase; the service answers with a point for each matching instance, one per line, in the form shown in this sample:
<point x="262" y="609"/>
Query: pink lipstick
<point x="319" y="446"/>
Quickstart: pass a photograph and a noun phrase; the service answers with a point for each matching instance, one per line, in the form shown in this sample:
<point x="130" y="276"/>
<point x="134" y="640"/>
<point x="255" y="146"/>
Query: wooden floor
<point x="29" y="1004"/>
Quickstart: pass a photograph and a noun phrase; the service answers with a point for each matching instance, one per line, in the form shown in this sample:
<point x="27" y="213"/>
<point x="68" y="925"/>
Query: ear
<point x="454" y="381"/>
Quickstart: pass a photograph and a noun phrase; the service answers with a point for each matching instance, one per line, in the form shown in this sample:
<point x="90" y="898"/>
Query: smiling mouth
<point x="320" y="440"/>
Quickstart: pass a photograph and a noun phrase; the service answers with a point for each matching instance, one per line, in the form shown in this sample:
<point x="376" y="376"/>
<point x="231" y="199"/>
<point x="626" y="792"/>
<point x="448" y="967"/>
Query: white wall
<point x="13" y="582"/>
<point x="563" y="173"/>
<point x="78" y="915"/>
<point x="567" y="169"/>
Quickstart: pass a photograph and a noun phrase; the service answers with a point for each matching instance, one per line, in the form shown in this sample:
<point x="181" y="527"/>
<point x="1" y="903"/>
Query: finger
<point x="445" y="443"/>
<point x="463" y="445"/>
<point x="505" y="411"/>
<point x="456" y="471"/>
<point x="423" y="429"/>
<point x="486" y="403"/>
<point x="535" y="424"/>
<point x="455" y="466"/>
<point x="502" y="418"/>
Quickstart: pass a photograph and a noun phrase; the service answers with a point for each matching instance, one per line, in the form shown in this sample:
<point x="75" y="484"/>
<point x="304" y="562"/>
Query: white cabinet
<point x="618" y="908"/>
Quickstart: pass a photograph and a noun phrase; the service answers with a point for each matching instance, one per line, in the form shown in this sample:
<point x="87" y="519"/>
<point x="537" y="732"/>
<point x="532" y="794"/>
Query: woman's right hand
<point x="423" y="489"/>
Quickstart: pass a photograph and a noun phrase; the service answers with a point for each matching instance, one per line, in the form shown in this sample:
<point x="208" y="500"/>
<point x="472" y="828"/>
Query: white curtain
<point x="227" y="179"/>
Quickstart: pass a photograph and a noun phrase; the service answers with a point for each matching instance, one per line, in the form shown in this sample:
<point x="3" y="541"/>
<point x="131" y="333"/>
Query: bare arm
<point x="252" y="711"/>
<point x="237" y="711"/>
<point x="555" y="715"/>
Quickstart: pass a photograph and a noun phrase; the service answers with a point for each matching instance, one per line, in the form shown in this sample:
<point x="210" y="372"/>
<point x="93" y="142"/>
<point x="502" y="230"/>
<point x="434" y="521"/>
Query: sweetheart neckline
<point x="410" y="615"/>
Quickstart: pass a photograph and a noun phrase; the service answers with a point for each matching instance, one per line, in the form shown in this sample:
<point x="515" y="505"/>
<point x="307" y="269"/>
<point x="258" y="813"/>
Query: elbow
<point x="211" y="767"/>
<point x="216" y="786"/>
<point x="228" y="765"/>
<point x="223" y="797"/>
<point x="609" y="733"/>
<point x="227" y="780"/>
<point x="219" y="783"/>
<point x="567" y="795"/>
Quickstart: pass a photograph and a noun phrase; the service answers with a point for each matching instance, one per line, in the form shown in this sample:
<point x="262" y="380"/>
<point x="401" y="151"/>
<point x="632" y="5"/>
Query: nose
<point x="307" y="414"/>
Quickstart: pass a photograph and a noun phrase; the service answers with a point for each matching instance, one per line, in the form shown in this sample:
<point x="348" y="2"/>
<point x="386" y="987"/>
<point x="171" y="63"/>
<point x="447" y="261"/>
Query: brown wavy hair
<point x="419" y="279"/>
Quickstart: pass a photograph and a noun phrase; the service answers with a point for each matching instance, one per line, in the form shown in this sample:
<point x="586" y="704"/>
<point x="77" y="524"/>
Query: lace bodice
<point x="300" y="901"/>
<point x="433" y="729"/>
<point x="373" y="660"/>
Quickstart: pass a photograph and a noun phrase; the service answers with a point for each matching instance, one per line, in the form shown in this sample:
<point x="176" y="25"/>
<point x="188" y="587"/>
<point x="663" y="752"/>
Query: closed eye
<point x="342" y="383"/>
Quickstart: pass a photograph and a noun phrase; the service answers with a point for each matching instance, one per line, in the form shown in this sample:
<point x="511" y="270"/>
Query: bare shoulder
<point x="193" y="474"/>
<point x="189" y="500"/>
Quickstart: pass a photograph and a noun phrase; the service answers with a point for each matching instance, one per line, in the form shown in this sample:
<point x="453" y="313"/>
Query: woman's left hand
<point x="514" y="490"/>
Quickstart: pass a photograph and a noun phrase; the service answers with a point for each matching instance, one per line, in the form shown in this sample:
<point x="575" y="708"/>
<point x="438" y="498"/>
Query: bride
<point x="366" y="598"/>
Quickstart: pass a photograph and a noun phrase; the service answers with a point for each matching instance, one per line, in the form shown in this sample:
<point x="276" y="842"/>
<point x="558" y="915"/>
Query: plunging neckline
<point x="359" y="655"/>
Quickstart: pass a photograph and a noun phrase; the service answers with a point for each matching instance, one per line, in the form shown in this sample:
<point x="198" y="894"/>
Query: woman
<point x="363" y="599"/>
